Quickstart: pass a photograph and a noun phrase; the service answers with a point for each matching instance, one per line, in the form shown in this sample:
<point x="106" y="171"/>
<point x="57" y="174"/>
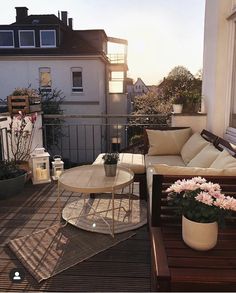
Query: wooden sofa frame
<point x="162" y="220"/>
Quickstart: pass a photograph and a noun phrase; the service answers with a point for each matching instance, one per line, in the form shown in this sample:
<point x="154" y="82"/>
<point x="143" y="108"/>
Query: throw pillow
<point x="205" y="157"/>
<point x="167" y="142"/>
<point x="224" y="160"/>
<point x="192" y="147"/>
<point x="194" y="171"/>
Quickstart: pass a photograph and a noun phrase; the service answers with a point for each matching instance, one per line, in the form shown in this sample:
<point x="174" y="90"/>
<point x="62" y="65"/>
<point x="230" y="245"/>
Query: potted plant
<point x="177" y="103"/>
<point x="12" y="179"/>
<point x="110" y="163"/>
<point x="192" y="102"/>
<point x="202" y="206"/>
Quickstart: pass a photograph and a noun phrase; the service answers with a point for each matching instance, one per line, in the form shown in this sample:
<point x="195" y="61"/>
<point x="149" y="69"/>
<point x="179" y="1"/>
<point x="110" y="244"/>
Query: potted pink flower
<point x="203" y="206"/>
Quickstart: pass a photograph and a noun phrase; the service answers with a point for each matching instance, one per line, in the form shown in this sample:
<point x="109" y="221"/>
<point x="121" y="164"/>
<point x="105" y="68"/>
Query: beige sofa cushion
<point x="167" y="142"/>
<point x="195" y="171"/>
<point x="192" y="147"/>
<point x="171" y="160"/>
<point x="205" y="157"/>
<point x="135" y="162"/>
<point x="224" y="160"/>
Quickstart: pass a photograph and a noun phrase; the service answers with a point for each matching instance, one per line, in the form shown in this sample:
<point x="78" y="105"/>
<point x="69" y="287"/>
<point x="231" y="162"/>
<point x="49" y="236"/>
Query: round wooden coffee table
<point x="91" y="179"/>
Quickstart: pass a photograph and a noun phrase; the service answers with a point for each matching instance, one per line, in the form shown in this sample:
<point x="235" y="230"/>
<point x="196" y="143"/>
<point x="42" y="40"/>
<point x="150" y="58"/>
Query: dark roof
<point x="73" y="42"/>
<point x="39" y="19"/>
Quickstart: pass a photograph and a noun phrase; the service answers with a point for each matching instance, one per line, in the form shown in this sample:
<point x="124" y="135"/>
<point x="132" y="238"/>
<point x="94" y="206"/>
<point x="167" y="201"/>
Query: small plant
<point x="111" y="158"/>
<point x="20" y="135"/>
<point x="25" y="92"/>
<point x="8" y="170"/>
<point x="178" y="99"/>
<point x="200" y="201"/>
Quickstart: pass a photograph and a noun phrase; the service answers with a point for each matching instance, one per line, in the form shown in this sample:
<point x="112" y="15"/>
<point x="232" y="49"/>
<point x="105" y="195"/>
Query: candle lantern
<point x="40" y="166"/>
<point x="57" y="167"/>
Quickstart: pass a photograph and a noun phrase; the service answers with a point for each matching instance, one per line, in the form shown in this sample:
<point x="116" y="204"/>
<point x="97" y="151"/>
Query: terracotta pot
<point x="110" y="170"/>
<point x="199" y="236"/>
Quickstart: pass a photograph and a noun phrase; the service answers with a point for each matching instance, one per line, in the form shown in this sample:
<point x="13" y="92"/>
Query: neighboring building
<point x="44" y="51"/>
<point x="219" y="75"/>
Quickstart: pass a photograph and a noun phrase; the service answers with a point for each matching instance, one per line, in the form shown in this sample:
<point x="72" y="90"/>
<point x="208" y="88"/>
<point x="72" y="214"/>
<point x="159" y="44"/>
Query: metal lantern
<point x="57" y="167"/>
<point x="40" y="166"/>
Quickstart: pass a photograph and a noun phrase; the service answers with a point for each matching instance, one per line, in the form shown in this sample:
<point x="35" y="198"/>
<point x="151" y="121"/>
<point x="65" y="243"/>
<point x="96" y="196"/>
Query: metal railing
<point x="80" y="138"/>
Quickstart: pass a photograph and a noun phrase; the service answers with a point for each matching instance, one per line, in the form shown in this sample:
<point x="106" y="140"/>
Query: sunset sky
<point x="161" y="33"/>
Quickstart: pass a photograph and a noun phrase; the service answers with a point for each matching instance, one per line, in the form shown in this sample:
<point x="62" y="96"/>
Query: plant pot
<point x="177" y="108"/>
<point x="110" y="170"/>
<point x="13" y="186"/>
<point x="199" y="236"/>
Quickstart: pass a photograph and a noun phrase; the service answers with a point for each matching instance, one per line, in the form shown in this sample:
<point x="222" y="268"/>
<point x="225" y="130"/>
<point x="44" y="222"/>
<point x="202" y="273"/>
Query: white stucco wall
<point x="217" y="65"/>
<point x="22" y="73"/>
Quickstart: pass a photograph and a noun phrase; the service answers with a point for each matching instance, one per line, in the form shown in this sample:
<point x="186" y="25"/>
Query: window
<point x="26" y="38"/>
<point x="45" y="80"/>
<point x="77" y="85"/>
<point x="48" y="38"/>
<point x="6" y="39"/>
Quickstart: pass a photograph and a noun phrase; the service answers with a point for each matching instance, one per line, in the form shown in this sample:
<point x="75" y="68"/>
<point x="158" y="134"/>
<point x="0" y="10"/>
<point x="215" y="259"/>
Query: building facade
<point x="219" y="75"/>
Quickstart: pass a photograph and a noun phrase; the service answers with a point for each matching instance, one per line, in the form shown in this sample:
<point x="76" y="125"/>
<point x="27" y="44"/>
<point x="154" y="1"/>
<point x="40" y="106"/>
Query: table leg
<point x="58" y="200"/>
<point x="113" y="214"/>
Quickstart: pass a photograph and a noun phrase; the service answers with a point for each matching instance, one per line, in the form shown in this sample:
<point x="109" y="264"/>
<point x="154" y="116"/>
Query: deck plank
<point x="124" y="267"/>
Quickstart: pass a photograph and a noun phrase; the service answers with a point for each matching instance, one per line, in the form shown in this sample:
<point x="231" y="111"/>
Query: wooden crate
<point x="25" y="104"/>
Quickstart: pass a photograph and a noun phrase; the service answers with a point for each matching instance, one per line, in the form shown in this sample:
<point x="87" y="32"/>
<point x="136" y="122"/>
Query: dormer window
<point x="48" y="38"/>
<point x="6" y="39"/>
<point x="26" y="39"/>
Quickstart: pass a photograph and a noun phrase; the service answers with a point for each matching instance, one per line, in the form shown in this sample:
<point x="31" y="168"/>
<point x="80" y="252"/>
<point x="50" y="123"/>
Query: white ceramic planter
<point x="177" y="108"/>
<point x="199" y="236"/>
<point x="110" y="170"/>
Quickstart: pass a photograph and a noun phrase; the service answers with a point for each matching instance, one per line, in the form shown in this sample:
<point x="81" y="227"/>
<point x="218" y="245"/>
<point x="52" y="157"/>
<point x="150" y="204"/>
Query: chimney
<point x="21" y="13"/>
<point x="70" y="23"/>
<point x="64" y="17"/>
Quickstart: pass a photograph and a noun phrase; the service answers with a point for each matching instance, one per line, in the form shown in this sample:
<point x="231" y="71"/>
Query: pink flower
<point x="205" y="198"/>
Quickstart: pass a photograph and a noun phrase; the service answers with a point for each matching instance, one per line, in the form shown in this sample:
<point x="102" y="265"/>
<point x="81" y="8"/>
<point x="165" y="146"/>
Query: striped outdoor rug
<point x="50" y="251"/>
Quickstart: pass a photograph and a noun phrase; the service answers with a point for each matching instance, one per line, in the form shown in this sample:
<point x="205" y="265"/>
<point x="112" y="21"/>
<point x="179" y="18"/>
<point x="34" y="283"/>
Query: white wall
<point x="22" y="73"/>
<point x="217" y="65"/>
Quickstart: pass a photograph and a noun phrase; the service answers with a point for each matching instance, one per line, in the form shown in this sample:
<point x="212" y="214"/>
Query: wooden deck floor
<point x="124" y="267"/>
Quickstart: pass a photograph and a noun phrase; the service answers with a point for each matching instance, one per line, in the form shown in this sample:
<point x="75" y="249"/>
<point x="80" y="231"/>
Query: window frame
<point x="12" y="32"/>
<point x="19" y="33"/>
<point x="48" y="46"/>
<point x="77" y="90"/>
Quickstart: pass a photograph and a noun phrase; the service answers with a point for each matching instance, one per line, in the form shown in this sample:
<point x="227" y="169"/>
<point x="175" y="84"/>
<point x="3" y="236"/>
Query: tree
<point x="181" y="84"/>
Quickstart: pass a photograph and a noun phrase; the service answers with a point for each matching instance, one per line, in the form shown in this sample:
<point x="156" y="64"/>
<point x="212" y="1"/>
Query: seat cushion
<point x="167" y="142"/>
<point x="224" y="160"/>
<point x="169" y="160"/>
<point x="205" y="157"/>
<point x="134" y="162"/>
<point x="195" y="171"/>
<point x="192" y="147"/>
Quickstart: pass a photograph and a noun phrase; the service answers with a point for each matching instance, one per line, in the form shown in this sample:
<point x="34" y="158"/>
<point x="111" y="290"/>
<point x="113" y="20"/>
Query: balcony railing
<point x="80" y="138"/>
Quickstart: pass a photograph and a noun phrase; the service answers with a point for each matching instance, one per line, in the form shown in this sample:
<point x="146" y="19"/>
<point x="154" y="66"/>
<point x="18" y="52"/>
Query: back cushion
<point x="205" y="157"/>
<point x="192" y="147"/>
<point x="194" y="171"/>
<point x="224" y="161"/>
<point x="167" y="142"/>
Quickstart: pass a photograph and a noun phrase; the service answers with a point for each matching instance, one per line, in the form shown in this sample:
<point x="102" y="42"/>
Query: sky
<point x="161" y="34"/>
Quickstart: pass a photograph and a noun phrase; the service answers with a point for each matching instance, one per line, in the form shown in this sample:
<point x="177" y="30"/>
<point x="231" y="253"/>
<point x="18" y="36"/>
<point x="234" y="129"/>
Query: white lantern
<point x="40" y="166"/>
<point x="57" y="167"/>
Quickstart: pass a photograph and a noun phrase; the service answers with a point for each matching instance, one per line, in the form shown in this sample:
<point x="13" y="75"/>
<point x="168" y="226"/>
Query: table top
<point x="92" y="179"/>
<point x="186" y="269"/>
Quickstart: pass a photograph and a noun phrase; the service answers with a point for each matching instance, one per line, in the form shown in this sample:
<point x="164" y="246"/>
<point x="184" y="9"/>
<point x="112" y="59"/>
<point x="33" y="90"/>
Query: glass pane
<point x="48" y="38"/>
<point x="77" y="79"/>
<point x="27" y="39"/>
<point x="45" y="79"/>
<point x="6" y="39"/>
